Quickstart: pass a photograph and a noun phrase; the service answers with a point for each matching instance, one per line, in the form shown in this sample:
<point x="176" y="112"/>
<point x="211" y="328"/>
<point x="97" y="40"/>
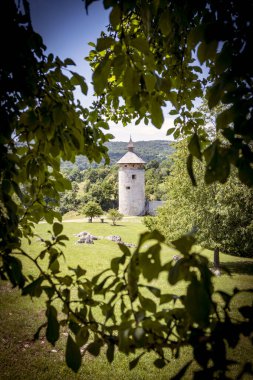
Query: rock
<point x="130" y="245"/>
<point x="89" y="240"/>
<point x="82" y="234"/>
<point x="81" y="240"/>
<point x="115" y="238"/>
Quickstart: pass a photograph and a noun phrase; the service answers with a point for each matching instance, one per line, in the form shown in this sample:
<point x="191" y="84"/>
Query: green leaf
<point x="94" y="348"/>
<point x="247" y="312"/>
<point x="78" y="80"/>
<point x="165" y="23"/>
<point x="124" y="339"/>
<point x="133" y="363"/>
<point x="224" y="118"/>
<point x="78" y="271"/>
<point x="176" y="273"/>
<point x="57" y="228"/>
<point x="140" y="44"/>
<point x="14" y="271"/>
<point x="73" y="355"/>
<point x="218" y="165"/>
<point x="54" y="266"/>
<point x="207" y="51"/>
<point x="156" y="113"/>
<point x="124" y="249"/>
<point x="170" y="131"/>
<point x="144" y="237"/>
<point x="115" y="17"/>
<point x="37" y="334"/>
<point x="155" y="291"/>
<point x="160" y="363"/>
<point x="194" y="146"/>
<point x="115" y="264"/>
<point x="214" y="95"/>
<point x="245" y="172"/>
<point x="131" y="81"/>
<point x="184" y="243"/>
<point x="147" y="304"/>
<point x="104" y="43"/>
<point x="150" y="263"/>
<point x="133" y="273"/>
<point x="69" y="62"/>
<point x="34" y="289"/>
<point x="173" y="112"/>
<point x="53" y="327"/>
<point x="82" y="336"/>
<point x="165" y="298"/>
<point x="224" y="59"/>
<point x="189" y="165"/>
<point x="172" y="97"/>
<point x="197" y="303"/>
<point x="100" y="75"/>
<point x="110" y="352"/>
<point x="150" y="82"/>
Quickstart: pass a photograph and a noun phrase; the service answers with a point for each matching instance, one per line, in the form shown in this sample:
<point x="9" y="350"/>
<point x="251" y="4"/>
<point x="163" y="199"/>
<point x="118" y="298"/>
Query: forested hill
<point x="148" y="150"/>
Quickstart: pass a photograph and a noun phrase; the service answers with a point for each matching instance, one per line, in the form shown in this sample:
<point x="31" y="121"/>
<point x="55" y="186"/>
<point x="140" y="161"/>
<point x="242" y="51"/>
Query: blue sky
<point x="66" y="30"/>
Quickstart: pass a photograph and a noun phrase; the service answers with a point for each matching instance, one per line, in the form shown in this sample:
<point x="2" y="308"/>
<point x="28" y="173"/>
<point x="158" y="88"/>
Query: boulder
<point x="88" y="239"/>
<point x="115" y="238"/>
<point x="82" y="234"/>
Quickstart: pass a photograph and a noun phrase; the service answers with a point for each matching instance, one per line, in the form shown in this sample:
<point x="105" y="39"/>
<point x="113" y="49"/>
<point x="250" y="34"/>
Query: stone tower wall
<point x="132" y="190"/>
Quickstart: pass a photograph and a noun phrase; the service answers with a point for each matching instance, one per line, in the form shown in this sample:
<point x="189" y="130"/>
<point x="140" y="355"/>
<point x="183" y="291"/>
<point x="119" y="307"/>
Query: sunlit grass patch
<point x="21" y="357"/>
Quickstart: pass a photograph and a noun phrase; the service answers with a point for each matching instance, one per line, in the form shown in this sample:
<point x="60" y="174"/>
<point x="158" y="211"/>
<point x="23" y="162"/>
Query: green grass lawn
<point x="22" y="358"/>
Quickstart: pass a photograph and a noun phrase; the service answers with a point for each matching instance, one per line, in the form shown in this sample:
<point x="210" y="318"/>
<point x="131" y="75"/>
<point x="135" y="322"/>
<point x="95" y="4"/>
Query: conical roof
<point x="130" y="157"/>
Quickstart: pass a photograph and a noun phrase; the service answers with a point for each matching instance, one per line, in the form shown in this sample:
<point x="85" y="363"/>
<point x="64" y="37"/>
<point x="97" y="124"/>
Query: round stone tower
<point x="131" y="183"/>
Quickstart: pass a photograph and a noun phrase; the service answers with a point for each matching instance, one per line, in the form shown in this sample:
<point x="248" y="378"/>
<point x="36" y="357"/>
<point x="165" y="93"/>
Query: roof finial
<point x="130" y="145"/>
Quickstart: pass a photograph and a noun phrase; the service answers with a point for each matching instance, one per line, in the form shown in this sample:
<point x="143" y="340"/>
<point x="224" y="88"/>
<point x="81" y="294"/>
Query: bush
<point x="114" y="215"/>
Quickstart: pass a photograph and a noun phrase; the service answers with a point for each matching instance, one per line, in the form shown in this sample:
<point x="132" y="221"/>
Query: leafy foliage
<point x="221" y="215"/>
<point x="153" y="55"/>
<point x="92" y="209"/>
<point x="114" y="215"/>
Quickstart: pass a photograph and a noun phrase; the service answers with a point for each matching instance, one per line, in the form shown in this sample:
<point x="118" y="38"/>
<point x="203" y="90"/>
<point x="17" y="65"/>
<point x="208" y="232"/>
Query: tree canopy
<point x="146" y="59"/>
<point x="220" y="214"/>
<point x="166" y="52"/>
<point x="92" y="209"/>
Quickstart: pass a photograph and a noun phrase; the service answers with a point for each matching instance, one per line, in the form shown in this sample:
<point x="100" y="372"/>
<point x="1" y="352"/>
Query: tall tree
<point x="92" y="210"/>
<point x="220" y="215"/>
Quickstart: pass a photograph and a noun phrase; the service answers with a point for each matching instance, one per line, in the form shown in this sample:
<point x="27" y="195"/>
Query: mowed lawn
<point x="22" y="358"/>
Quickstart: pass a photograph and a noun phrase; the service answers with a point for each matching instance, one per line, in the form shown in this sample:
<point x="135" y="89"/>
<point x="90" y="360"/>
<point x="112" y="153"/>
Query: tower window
<point x="133" y="176"/>
<point x="128" y="187"/>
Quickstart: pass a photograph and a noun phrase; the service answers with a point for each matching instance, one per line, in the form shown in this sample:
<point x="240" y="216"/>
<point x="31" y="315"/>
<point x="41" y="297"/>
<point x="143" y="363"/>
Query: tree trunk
<point x="216" y="257"/>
